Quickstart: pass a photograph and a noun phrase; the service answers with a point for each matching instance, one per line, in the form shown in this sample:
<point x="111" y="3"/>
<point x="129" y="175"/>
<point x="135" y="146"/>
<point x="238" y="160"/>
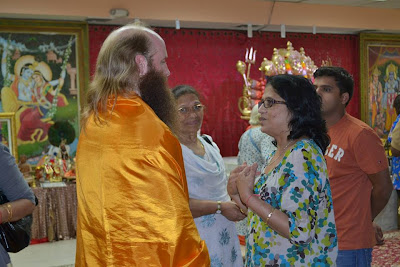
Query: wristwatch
<point x="218" y="207"/>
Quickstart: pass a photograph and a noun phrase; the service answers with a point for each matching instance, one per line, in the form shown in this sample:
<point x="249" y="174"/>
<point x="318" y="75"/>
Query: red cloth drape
<point x="206" y="60"/>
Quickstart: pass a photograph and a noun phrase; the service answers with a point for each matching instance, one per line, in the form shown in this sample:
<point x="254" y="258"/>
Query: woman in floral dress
<point x="291" y="219"/>
<point x="396" y="157"/>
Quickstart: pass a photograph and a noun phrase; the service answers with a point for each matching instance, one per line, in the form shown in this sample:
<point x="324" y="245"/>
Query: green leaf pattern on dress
<point x="299" y="187"/>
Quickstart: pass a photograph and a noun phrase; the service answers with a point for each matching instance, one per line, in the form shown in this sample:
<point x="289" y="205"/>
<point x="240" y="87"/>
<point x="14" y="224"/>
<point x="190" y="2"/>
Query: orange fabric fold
<point x="133" y="207"/>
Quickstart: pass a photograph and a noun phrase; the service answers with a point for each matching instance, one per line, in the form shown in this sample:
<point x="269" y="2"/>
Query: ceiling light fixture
<point x="119" y="12"/>
<point x="283" y="31"/>
<point x="249" y="30"/>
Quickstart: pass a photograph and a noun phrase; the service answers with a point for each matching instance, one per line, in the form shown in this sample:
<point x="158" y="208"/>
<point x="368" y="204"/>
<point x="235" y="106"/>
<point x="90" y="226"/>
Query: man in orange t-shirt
<point x="357" y="167"/>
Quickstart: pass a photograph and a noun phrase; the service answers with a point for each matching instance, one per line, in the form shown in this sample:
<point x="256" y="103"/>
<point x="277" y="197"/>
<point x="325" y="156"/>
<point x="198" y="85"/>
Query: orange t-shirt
<point x="355" y="151"/>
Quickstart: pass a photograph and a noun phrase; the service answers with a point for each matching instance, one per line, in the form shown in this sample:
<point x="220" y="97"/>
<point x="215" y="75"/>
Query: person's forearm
<point x="278" y="220"/>
<point x="379" y="198"/>
<point x="16" y="210"/>
<point x="200" y="207"/>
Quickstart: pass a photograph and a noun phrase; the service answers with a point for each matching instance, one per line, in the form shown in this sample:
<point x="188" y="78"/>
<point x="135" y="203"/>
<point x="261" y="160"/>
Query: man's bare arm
<point x="381" y="191"/>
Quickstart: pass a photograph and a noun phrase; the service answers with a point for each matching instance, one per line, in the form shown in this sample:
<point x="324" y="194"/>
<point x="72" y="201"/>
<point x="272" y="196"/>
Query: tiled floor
<point x="62" y="254"/>
<point x="52" y="254"/>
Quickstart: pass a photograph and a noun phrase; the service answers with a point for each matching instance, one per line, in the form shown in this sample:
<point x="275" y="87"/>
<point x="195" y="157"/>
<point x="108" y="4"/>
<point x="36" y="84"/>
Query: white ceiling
<point x="359" y="3"/>
<point x="389" y="4"/>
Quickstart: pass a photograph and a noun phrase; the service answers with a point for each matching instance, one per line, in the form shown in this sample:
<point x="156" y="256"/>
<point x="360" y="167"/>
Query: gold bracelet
<point x="6" y="207"/>
<point x="269" y="216"/>
<point x="1" y="215"/>
<point x="10" y="213"/>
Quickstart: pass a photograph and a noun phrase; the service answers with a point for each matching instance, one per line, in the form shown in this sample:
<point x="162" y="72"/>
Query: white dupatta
<point x="206" y="176"/>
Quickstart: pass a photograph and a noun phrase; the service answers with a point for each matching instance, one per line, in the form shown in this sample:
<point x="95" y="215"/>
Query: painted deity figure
<point x="20" y="90"/>
<point x="31" y="95"/>
<point x="44" y="92"/>
<point x="391" y="90"/>
<point x="375" y="95"/>
<point x="25" y="83"/>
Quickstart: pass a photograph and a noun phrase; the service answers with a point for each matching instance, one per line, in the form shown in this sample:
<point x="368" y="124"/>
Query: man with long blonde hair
<point x="133" y="207"/>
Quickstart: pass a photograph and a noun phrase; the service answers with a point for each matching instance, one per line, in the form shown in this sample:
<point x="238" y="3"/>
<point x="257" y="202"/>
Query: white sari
<point x="207" y="181"/>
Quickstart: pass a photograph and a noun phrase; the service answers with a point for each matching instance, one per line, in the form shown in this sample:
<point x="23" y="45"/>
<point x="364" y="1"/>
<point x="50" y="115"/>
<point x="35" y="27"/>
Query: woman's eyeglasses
<point x="269" y="102"/>
<point x="196" y="108"/>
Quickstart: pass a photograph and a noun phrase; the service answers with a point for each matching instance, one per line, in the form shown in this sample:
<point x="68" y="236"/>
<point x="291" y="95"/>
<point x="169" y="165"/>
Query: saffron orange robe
<point x="133" y="202"/>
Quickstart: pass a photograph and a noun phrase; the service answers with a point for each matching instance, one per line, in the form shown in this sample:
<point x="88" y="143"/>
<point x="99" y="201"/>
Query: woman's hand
<point x="245" y="182"/>
<point x="231" y="211"/>
<point x="232" y="187"/>
<point x="234" y="175"/>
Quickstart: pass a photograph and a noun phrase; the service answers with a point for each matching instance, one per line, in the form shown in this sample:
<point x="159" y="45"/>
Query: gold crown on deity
<point x="327" y="62"/>
<point x="44" y="70"/>
<point x="376" y="71"/>
<point x="283" y="60"/>
<point x="288" y="60"/>
<point x="391" y="68"/>
<point x="23" y="61"/>
<point x="34" y="65"/>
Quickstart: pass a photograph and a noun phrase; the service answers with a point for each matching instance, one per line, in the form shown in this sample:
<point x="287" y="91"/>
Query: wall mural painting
<point x="8" y="132"/>
<point x="384" y="81"/>
<point x="40" y="83"/>
<point x="380" y="82"/>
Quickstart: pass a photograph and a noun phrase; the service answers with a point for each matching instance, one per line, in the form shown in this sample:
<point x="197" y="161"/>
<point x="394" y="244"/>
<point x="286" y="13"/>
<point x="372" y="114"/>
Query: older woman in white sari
<point x="213" y="211"/>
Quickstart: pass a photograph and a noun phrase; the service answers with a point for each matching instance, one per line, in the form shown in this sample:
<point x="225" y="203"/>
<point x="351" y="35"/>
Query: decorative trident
<point x="250" y="59"/>
<point x="245" y="101"/>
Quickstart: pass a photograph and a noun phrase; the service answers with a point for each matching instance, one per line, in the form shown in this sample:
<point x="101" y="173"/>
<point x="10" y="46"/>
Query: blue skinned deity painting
<point x="39" y="84"/>
<point x="383" y="86"/>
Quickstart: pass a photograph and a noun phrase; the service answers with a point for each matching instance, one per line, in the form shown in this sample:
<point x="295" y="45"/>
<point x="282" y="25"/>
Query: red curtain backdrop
<point x="206" y="60"/>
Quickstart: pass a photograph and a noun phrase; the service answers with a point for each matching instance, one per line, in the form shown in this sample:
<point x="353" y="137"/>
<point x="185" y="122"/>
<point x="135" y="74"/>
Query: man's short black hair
<point x="343" y="79"/>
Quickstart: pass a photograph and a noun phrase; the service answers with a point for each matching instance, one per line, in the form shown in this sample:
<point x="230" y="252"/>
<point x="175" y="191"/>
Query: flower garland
<point x="52" y="111"/>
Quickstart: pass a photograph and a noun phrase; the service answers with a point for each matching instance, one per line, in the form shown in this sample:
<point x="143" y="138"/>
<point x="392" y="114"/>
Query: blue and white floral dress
<point x="207" y="180"/>
<point x="298" y="187"/>
<point x="254" y="147"/>
<point x="395" y="160"/>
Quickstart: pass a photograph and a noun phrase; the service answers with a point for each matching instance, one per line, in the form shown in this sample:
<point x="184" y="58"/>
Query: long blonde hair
<point x="116" y="70"/>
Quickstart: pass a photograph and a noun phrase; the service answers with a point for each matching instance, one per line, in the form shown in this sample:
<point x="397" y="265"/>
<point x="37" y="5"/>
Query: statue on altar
<point x="61" y="134"/>
<point x="63" y="152"/>
<point x="24" y="167"/>
<point x="52" y="170"/>
<point x="282" y="61"/>
<point x="70" y="174"/>
<point x="48" y="168"/>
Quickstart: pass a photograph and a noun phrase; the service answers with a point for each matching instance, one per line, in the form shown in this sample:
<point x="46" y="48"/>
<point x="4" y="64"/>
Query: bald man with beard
<point x="133" y="207"/>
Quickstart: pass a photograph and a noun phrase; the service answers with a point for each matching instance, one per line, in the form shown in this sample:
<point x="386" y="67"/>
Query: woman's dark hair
<point x="305" y="106"/>
<point x="184" y="89"/>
